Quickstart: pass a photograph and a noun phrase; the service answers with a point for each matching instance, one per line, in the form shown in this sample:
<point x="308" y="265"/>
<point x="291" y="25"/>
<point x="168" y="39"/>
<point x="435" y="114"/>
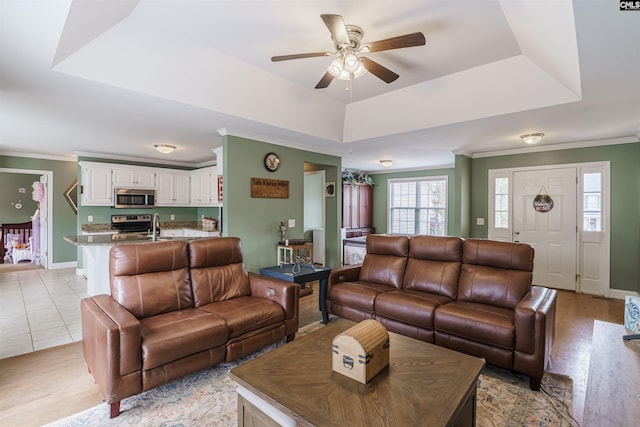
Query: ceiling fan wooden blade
<point x="299" y="56"/>
<point x="338" y="29"/>
<point x="325" y="81"/>
<point x="408" y="40"/>
<point x="379" y="71"/>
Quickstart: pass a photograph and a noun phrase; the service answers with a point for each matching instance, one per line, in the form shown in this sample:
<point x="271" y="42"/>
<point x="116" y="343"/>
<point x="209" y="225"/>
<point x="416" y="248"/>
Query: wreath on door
<point x="542" y="202"/>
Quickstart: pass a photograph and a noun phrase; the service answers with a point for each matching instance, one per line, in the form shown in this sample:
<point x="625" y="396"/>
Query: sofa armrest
<point x="349" y="273"/>
<point x="110" y="342"/>
<point x="284" y="293"/>
<point x="534" y="320"/>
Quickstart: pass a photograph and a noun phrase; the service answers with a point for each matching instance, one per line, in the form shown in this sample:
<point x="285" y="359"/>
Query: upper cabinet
<point x="172" y="188"/>
<point x="95" y="184"/>
<point x="204" y="187"/>
<point x="134" y="177"/>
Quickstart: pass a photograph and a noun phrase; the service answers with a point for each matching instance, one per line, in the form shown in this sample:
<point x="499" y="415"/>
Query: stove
<point x="130" y="226"/>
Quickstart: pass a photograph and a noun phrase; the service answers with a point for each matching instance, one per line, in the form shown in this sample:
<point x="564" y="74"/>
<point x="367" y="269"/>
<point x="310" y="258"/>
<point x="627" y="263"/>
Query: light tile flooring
<point x="39" y="309"/>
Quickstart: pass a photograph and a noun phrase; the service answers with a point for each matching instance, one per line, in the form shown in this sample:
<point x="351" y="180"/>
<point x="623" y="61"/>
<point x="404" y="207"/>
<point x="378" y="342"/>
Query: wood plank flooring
<point x="47" y="385"/>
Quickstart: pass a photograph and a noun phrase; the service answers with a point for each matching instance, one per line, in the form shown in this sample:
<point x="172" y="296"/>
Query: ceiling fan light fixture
<point x="351" y="62"/>
<point x="336" y="68"/>
<point x="165" y="148"/>
<point x="532" y="138"/>
<point x="386" y="163"/>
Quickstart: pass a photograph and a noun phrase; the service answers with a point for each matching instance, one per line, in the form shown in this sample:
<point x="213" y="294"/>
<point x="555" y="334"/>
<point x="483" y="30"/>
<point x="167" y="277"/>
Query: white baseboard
<point x="59" y="265"/>
<point x="620" y="293"/>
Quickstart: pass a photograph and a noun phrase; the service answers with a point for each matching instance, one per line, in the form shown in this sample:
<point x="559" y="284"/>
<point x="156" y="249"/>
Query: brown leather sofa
<point x="473" y="296"/>
<point x="178" y="307"/>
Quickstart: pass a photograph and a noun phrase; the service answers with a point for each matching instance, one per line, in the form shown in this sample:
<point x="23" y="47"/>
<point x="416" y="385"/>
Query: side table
<point x="307" y="273"/>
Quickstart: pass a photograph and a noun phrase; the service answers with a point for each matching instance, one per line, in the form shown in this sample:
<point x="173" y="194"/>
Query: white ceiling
<point x="112" y="78"/>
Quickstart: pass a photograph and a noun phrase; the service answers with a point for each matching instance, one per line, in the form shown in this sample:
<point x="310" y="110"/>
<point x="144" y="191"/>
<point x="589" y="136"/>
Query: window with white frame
<point x="592" y="201"/>
<point x="501" y="206"/>
<point x="418" y="206"/>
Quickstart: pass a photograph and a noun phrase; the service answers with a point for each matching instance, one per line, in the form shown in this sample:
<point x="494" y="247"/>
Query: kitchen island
<point x="95" y="251"/>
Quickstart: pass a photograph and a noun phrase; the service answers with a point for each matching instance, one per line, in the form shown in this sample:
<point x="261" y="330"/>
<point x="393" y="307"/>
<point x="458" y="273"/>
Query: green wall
<point x="10" y="197"/>
<point x="625" y="192"/>
<point x="63" y="222"/>
<point x="256" y="220"/>
<point x="380" y="205"/>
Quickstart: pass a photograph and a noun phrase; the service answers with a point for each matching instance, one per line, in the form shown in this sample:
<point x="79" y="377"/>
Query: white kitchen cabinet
<point x="95" y="184"/>
<point x="190" y="232"/>
<point x="172" y="188"/>
<point x="172" y="232"/>
<point x="133" y="177"/>
<point x="204" y="187"/>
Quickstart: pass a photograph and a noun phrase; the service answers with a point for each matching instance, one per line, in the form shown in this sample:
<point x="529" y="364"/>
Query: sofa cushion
<point x="170" y="336"/>
<point x="150" y="279"/>
<point x="385" y="260"/>
<point x="434" y="265"/>
<point x="482" y="323"/>
<point x="493" y="286"/>
<point x="492" y="253"/>
<point x="412" y="307"/>
<point x="217" y="270"/>
<point x="246" y="314"/>
<point x="360" y="295"/>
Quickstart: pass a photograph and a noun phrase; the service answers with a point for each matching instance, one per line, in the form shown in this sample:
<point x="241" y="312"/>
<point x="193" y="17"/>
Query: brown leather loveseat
<point x="473" y="296"/>
<point x="178" y="307"/>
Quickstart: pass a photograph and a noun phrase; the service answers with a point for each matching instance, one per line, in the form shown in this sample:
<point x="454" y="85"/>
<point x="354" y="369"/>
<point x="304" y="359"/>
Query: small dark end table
<point x="306" y="273"/>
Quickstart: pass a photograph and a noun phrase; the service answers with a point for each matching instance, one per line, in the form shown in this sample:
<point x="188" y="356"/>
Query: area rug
<point x="208" y="398"/>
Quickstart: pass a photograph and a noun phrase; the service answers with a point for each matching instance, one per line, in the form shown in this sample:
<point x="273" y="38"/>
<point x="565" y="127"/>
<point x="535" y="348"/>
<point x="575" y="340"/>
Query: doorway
<point x="570" y="236"/>
<point x="46" y="212"/>
<point x="314" y="213"/>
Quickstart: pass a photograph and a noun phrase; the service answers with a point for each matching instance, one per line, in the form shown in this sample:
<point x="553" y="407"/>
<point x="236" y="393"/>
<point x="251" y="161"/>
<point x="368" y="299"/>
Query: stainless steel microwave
<point x="125" y="198"/>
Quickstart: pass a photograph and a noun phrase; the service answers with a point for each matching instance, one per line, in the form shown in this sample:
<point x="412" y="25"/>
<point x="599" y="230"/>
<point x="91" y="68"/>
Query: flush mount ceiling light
<point x="386" y="163"/>
<point x="165" y="148"/>
<point x="532" y="138"/>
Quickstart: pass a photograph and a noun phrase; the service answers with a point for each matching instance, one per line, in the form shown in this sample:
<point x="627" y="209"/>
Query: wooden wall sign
<point x="269" y="188"/>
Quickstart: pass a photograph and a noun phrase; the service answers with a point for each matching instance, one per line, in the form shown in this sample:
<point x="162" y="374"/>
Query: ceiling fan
<point x="348" y="64"/>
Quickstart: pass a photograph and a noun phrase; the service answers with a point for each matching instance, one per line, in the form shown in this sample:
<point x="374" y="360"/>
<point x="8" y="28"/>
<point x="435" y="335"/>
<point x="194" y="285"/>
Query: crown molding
<point x="556" y="147"/>
<point x="151" y="161"/>
<point x="39" y="156"/>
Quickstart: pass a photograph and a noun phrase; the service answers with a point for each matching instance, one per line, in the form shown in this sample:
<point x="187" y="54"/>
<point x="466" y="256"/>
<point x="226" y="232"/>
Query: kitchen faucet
<point x="155" y="227"/>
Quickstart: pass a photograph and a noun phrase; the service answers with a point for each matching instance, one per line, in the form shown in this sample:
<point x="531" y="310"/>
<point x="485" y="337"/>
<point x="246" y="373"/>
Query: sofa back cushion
<point x="385" y="260"/>
<point x="434" y="265"/>
<point x="495" y="273"/>
<point x="217" y="270"/>
<point x="150" y="278"/>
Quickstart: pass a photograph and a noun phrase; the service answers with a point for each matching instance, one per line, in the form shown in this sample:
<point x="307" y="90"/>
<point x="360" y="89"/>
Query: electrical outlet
<point x="90" y="218"/>
<point x="173" y="217"/>
<point x="292" y="223"/>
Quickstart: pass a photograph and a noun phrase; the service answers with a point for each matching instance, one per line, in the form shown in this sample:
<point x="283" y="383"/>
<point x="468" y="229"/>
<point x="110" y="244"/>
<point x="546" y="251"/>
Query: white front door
<point x="553" y="234"/>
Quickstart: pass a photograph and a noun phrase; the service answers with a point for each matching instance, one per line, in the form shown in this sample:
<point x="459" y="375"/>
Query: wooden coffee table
<point x="423" y="385"/>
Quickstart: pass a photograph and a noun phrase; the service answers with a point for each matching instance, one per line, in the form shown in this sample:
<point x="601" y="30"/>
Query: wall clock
<point x="271" y="162"/>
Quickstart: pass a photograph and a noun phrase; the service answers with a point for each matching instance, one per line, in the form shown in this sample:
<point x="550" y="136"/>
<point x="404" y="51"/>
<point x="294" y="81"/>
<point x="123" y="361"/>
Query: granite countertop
<point x="107" y="239"/>
<point x="171" y="225"/>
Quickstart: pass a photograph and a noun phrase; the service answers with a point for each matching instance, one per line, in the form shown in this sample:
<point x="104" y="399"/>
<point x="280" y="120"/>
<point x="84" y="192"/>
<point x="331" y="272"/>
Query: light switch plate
<point x="90" y="218"/>
<point x="479" y="221"/>
<point x="292" y="223"/>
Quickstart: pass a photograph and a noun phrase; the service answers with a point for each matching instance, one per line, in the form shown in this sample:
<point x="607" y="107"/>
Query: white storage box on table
<point x="361" y="351"/>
